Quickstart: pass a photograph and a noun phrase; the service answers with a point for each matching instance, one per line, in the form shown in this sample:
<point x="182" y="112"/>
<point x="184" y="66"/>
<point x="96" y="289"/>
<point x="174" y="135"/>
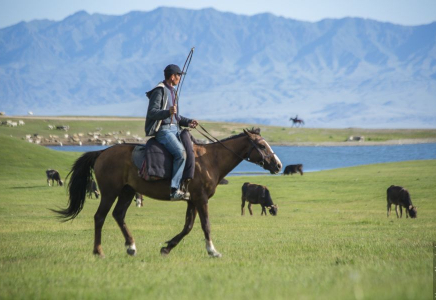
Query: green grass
<point x="330" y="240"/>
<point x="274" y="134"/>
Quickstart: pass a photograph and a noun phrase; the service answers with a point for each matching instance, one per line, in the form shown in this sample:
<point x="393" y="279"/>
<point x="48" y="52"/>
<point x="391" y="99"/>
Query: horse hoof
<point x="131" y="250"/>
<point x="98" y="252"/>
<point x="164" y="251"/>
<point x="99" y="255"/>
<point x="215" y="254"/>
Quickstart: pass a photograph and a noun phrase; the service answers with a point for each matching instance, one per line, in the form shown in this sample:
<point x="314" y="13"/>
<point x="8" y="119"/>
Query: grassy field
<point x="273" y="134"/>
<point x="330" y="240"/>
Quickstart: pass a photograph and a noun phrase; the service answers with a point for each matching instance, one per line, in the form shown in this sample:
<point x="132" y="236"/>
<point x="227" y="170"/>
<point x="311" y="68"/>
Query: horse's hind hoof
<point x="131" y="249"/>
<point x="99" y="255"/>
<point x="164" y="251"/>
<point x="98" y="252"/>
<point x="215" y="254"/>
<point x="131" y="252"/>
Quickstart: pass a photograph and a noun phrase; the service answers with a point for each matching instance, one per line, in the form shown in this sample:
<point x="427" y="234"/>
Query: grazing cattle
<point x="257" y="194"/>
<point x="400" y="197"/>
<point x="92" y="189"/>
<point x="63" y="127"/>
<point x="356" y="139"/>
<point x="138" y="200"/>
<point x="224" y="181"/>
<point x="291" y="169"/>
<point x="53" y="175"/>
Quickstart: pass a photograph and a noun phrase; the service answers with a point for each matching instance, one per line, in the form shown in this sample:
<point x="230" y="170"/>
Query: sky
<point x="403" y="12"/>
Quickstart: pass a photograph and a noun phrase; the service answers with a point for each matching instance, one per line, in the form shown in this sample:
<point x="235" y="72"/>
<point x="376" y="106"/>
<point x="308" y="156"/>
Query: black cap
<point x="172" y="69"/>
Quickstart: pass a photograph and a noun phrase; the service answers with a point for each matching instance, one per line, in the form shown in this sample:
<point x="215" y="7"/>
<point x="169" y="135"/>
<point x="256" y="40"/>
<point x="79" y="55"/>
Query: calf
<point x="92" y="189"/>
<point x="138" y="200"/>
<point x="224" y="181"/>
<point x="292" y="169"/>
<point x="53" y="175"/>
<point x="257" y="194"/>
<point x="400" y="197"/>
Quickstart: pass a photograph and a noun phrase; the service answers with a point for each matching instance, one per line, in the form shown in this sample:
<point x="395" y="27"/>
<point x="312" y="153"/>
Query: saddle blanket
<point x="155" y="162"/>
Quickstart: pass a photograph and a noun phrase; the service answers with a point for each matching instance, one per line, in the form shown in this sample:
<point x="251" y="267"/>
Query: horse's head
<point x="261" y="153"/>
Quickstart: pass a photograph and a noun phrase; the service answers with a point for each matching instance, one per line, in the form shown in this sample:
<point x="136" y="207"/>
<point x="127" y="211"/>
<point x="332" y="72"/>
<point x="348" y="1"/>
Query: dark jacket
<point x="156" y="113"/>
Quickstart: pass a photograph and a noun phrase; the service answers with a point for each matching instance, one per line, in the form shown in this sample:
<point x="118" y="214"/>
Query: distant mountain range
<point x="263" y="69"/>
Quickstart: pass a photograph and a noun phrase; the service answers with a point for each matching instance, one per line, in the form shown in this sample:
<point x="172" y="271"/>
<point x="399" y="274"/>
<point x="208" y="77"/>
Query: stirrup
<point x="177" y="196"/>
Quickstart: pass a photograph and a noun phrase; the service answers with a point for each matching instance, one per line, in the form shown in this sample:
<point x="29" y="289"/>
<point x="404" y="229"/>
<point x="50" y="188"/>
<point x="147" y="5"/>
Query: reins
<point x="213" y="139"/>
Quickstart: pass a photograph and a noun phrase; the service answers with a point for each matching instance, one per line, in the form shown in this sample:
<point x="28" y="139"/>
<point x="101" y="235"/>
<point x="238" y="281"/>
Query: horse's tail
<point x="81" y="175"/>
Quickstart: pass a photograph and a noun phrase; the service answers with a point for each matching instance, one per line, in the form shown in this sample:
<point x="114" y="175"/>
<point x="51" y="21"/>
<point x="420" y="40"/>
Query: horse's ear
<point x="250" y="135"/>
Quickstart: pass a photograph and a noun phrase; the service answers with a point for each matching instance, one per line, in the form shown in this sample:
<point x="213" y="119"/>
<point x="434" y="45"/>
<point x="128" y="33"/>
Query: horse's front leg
<point x="202" y="209"/>
<point x="191" y="213"/>
<point x="119" y="214"/>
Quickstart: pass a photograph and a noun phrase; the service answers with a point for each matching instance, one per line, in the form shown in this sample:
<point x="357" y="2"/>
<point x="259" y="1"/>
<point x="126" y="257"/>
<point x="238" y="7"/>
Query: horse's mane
<point x="252" y="131"/>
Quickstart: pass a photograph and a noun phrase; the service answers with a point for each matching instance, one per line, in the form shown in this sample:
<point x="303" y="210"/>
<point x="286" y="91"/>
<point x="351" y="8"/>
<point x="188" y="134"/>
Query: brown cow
<point x="257" y="194"/>
<point x="292" y="169"/>
<point x="400" y="197"/>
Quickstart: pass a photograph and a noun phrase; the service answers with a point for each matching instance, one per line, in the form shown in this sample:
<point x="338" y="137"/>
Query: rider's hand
<point x="193" y="124"/>
<point x="173" y="110"/>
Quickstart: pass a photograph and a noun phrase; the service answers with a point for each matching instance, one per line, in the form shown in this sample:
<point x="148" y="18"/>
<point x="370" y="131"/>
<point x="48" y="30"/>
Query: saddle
<point x="154" y="162"/>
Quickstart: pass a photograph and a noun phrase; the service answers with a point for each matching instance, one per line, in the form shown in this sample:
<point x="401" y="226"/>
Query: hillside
<point x="21" y="160"/>
<point x="261" y="69"/>
<point x="331" y="237"/>
<point x="95" y="130"/>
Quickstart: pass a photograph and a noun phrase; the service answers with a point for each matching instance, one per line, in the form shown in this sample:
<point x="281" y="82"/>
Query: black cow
<point x="400" y="197"/>
<point x="257" y="194"/>
<point x="291" y="169"/>
<point x="53" y="175"/>
<point x="224" y="181"/>
<point x="92" y="189"/>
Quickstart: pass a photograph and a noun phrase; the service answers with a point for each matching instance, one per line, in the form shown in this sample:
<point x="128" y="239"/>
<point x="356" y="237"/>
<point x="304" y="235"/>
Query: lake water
<point x="321" y="158"/>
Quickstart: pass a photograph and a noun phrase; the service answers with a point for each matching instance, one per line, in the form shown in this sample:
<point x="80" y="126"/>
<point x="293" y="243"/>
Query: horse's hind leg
<point x="99" y="217"/>
<point x="191" y="213"/>
<point x="119" y="213"/>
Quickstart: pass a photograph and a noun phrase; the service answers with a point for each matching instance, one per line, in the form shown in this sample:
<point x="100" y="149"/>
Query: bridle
<point x="246" y="157"/>
<point x="255" y="146"/>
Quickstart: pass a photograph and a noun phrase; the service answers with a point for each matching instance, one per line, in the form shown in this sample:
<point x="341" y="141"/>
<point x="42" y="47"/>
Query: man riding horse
<point x="163" y="122"/>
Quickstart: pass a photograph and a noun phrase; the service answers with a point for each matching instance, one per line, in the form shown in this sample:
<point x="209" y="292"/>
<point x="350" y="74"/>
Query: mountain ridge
<point x="349" y="72"/>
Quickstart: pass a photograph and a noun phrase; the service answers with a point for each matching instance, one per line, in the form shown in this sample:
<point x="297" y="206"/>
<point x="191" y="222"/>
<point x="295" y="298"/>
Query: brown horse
<point x="117" y="177"/>
<point x="297" y="122"/>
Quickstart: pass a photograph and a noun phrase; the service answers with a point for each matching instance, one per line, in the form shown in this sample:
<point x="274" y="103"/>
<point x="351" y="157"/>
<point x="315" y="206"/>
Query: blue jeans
<point x="169" y="137"/>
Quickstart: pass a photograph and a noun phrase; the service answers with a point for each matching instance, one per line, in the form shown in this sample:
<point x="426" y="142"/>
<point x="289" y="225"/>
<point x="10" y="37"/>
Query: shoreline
<point x="369" y="143"/>
<point x="114" y="136"/>
<point x="292" y="144"/>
